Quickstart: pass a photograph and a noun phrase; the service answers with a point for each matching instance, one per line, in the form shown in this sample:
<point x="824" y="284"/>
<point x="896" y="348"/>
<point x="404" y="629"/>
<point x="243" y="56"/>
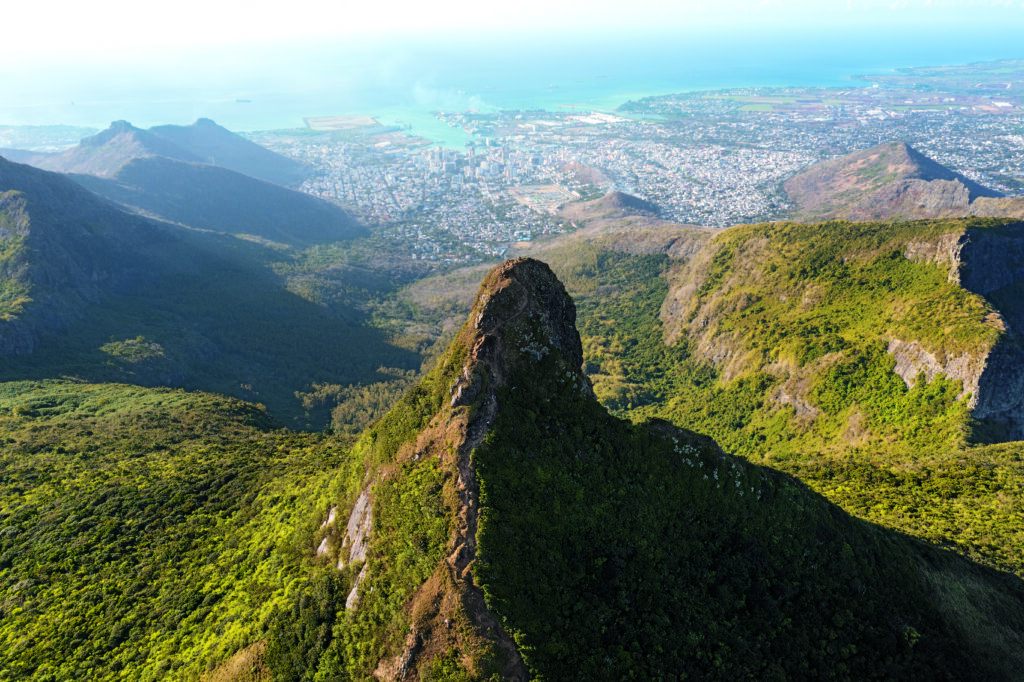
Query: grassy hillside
<point x="148" y="534"/>
<point x="517" y="528"/>
<point x="614" y="551"/>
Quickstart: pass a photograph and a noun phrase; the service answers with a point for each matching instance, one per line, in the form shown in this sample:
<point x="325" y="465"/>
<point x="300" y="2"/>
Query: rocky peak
<point x="523" y="297"/>
<point x="521" y="329"/>
<point x="521" y="315"/>
<point x="116" y="128"/>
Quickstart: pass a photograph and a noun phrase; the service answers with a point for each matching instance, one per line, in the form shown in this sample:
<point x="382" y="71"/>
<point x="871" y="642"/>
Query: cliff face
<point x="992" y="265"/>
<point x="992" y="260"/>
<point x="788" y="279"/>
<point x="988" y="262"/>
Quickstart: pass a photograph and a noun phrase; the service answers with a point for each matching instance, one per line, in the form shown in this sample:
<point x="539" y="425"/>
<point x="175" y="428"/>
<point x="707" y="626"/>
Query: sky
<point x="102" y="29"/>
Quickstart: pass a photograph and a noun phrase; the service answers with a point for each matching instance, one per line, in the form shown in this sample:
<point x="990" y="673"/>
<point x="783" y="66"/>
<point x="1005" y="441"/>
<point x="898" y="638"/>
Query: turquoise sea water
<point x="277" y="87"/>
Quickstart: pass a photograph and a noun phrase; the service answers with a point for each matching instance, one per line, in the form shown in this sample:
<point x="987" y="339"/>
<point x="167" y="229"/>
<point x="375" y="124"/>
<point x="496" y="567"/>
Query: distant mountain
<point x="890" y="181"/>
<point x="214" y="198"/>
<point x="90" y="291"/>
<point x="219" y="146"/>
<point x="105" y="153"/>
<point x="202" y="176"/>
<point x="613" y="206"/>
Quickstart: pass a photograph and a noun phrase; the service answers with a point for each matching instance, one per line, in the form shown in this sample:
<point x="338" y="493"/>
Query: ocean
<point x="276" y="87"/>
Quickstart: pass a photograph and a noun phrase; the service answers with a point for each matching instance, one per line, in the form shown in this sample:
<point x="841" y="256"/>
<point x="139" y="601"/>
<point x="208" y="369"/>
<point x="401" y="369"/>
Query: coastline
<point x="406" y="91"/>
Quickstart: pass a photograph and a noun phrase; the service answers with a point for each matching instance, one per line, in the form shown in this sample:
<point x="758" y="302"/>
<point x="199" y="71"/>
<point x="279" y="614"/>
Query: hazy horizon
<point x="314" y="64"/>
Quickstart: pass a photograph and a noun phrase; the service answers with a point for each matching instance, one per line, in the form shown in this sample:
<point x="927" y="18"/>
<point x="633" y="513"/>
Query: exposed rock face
<point x="1001" y="389"/>
<point x="357" y="531"/>
<point x="353" y="548"/>
<point x="914" y="198"/>
<point x="992" y="259"/>
<point x="912" y="361"/>
<point x="943" y="251"/>
<point x="522" y="300"/>
<point x="990" y="263"/>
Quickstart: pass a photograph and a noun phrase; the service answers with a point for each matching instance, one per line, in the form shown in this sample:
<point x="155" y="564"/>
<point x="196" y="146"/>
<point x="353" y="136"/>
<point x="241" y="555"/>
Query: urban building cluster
<point x="713" y="158"/>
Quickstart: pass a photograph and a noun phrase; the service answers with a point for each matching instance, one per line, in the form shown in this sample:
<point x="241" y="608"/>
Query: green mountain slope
<point x="148" y="534"/>
<point x="498" y="523"/>
<point x="516" y="530"/>
<point x="60" y="248"/>
<point x="779" y="347"/>
<point x="89" y="291"/>
<point x="848" y="355"/>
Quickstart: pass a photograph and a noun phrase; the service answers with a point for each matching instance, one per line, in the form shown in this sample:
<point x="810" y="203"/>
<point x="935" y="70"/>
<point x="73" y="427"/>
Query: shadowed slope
<point x="607" y="550"/>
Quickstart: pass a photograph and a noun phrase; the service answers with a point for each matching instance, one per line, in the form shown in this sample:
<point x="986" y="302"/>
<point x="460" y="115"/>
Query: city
<point x="710" y="158"/>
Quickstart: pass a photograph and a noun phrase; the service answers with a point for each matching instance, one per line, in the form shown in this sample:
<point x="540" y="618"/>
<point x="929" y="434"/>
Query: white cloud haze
<point x="59" y="27"/>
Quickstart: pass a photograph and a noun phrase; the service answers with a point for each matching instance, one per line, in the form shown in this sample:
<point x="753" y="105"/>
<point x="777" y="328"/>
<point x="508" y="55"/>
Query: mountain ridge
<point x="218" y="146"/>
<point x="209" y="197"/>
<point x="203" y="176"/>
<point x="106" y="152"/>
<point x="63" y="247"/>
<point x="575" y="513"/>
<point x="92" y="291"/>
